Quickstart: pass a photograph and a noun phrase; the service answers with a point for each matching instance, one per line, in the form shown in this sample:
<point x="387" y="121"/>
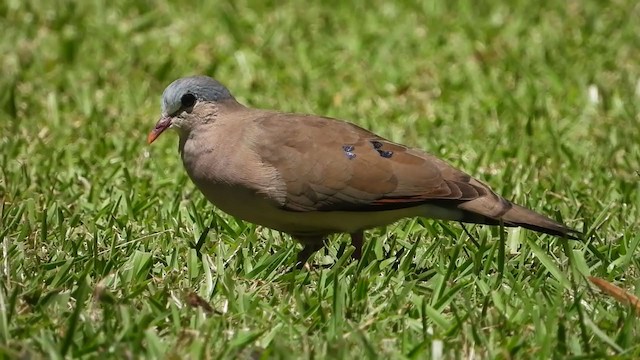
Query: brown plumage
<point x="312" y="176"/>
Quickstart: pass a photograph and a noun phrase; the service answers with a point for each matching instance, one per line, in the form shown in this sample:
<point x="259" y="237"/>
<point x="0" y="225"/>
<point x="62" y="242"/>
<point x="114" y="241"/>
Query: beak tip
<point x="163" y="124"/>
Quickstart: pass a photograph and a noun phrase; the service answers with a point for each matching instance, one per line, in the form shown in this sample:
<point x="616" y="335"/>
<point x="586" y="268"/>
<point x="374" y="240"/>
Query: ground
<point x="109" y="251"/>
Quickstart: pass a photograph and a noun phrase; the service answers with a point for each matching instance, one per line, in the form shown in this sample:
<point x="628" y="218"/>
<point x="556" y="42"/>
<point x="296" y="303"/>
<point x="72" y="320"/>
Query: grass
<point x="109" y="251"/>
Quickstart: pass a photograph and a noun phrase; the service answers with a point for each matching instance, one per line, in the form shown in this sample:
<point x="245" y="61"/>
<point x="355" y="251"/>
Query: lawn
<point x="109" y="251"/>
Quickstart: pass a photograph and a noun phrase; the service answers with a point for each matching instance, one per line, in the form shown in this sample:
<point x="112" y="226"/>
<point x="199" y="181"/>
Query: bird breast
<point x="230" y="174"/>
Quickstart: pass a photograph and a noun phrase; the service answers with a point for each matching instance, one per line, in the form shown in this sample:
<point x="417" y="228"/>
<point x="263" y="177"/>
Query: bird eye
<point x="187" y="100"/>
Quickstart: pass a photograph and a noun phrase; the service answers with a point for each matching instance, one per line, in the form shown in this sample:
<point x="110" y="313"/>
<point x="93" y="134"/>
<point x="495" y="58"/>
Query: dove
<point x="312" y="176"/>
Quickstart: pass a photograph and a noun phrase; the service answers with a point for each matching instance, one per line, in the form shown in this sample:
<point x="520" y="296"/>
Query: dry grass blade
<point x="618" y="293"/>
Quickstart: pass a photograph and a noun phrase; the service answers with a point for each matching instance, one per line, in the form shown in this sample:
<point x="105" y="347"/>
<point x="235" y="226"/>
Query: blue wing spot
<point x="376" y="144"/>
<point x="348" y="148"/>
<point x="350" y="155"/>
<point x="385" y="153"/>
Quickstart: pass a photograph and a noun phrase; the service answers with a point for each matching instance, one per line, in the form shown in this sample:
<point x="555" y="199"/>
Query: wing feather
<point x="329" y="165"/>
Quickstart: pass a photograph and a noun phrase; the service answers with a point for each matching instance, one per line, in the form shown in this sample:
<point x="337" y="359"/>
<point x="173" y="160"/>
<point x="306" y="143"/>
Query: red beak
<point x="162" y="125"/>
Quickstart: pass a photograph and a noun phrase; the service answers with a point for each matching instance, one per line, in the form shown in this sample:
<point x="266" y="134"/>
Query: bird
<point x="313" y="176"/>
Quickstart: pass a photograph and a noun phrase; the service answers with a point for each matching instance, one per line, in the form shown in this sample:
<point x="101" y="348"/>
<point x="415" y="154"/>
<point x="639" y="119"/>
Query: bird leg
<point x="309" y="246"/>
<point x="312" y="244"/>
<point x="356" y="240"/>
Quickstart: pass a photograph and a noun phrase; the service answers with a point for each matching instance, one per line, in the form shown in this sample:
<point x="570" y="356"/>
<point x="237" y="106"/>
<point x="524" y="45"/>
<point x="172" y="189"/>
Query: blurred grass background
<point x="107" y="249"/>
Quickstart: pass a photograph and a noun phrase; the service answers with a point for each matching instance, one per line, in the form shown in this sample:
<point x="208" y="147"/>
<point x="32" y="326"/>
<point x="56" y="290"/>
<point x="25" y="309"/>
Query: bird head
<point x="183" y="102"/>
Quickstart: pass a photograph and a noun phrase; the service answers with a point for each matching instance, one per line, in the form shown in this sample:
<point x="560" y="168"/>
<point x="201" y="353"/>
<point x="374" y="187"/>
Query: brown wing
<point x="330" y="165"/>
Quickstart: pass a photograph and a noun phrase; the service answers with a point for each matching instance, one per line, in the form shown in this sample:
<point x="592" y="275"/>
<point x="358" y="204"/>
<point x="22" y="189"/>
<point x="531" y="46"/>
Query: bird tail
<point x="523" y="217"/>
<point x="516" y="215"/>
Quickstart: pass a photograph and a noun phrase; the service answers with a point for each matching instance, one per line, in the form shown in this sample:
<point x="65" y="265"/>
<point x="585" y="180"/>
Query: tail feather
<point x="528" y="219"/>
<point x="512" y="215"/>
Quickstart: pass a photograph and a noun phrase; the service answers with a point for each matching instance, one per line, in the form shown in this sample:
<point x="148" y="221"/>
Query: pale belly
<point x="259" y="210"/>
